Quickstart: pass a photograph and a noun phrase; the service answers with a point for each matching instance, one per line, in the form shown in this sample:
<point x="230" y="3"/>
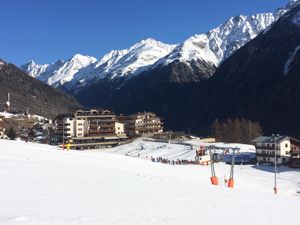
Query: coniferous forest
<point x="237" y="130"/>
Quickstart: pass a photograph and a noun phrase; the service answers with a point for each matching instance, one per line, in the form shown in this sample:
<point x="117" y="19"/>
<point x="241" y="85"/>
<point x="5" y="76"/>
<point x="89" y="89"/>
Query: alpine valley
<point x="245" y="68"/>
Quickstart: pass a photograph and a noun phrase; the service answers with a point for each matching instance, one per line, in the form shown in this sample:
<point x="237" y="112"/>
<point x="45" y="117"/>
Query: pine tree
<point x="240" y="131"/>
<point x="217" y="130"/>
<point x="237" y="131"/>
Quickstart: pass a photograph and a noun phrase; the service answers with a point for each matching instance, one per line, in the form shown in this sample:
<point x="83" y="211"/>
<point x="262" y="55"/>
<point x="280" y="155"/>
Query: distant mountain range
<point x="243" y="68"/>
<point x="212" y="48"/>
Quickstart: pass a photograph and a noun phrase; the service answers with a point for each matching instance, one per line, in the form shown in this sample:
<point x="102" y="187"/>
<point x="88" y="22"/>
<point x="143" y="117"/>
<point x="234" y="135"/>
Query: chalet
<point x="146" y="123"/>
<point x="90" y="128"/>
<point x="2" y="129"/>
<point x="285" y="148"/>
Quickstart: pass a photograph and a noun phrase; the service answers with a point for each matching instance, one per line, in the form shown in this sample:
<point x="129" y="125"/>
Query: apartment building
<point x="93" y="128"/>
<point x="146" y="123"/>
<point x="285" y="147"/>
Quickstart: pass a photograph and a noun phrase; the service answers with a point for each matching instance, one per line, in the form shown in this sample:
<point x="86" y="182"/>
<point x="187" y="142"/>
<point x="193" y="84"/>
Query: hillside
<point x="42" y="185"/>
<point x="244" y="68"/>
<point x="260" y="81"/>
<point x="27" y="92"/>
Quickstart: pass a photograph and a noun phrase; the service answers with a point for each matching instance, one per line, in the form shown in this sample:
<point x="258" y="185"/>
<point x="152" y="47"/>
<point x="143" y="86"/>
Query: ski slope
<point x="40" y="184"/>
<point x="181" y="150"/>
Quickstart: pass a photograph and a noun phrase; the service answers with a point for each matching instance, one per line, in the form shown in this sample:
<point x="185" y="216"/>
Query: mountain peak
<point x="31" y="62"/>
<point x="238" y="18"/>
<point x="212" y="47"/>
<point x="149" y="40"/>
<point x="80" y="57"/>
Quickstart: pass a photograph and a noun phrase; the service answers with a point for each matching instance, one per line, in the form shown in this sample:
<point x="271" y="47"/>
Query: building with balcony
<point x="90" y="129"/>
<point x="146" y="123"/>
<point x="285" y="148"/>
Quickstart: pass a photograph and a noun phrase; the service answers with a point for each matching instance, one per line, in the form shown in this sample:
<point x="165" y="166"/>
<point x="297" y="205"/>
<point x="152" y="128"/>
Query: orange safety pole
<point x="231" y="183"/>
<point x="231" y="180"/>
<point x="213" y="178"/>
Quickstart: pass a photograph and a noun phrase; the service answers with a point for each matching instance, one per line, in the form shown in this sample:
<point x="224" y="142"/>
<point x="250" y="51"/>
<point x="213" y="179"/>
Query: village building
<point x="285" y="146"/>
<point x="2" y="129"/>
<point x="119" y="128"/>
<point x="64" y="124"/>
<point x="143" y="124"/>
<point x="90" y="129"/>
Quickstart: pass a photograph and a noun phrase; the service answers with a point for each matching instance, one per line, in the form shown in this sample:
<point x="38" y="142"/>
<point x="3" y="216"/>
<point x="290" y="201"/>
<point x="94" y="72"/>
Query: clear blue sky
<point x="48" y="30"/>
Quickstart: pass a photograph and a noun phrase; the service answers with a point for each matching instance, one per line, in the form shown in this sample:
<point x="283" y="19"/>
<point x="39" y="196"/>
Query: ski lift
<point x="217" y="157"/>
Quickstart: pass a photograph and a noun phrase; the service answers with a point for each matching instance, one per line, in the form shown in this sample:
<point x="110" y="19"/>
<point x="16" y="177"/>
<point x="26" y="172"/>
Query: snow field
<point x="40" y="184"/>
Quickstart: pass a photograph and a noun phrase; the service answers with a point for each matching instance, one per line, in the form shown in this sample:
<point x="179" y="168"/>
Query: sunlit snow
<point x="43" y="185"/>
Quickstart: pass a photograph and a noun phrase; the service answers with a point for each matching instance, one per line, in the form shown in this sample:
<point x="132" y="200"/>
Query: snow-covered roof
<point x="269" y="139"/>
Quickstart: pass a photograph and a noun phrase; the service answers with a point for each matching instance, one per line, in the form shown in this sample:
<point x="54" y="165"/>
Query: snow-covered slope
<point x="218" y="44"/>
<point x="43" y="185"/>
<point x="133" y="60"/>
<point x="34" y="69"/>
<point x="60" y="72"/>
<point x="120" y="63"/>
<point x="212" y="48"/>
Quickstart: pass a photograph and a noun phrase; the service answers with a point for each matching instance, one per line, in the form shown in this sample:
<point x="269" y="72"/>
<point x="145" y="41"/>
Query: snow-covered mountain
<point x="60" y="72"/>
<point x="210" y="48"/>
<point x="116" y="63"/>
<point x="120" y="63"/>
<point x="219" y="43"/>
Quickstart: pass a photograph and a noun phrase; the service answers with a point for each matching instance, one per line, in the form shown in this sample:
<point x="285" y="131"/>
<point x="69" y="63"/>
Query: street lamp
<point x="275" y="136"/>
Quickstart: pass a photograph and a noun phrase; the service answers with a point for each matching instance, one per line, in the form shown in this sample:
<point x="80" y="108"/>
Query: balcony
<point x="272" y="148"/>
<point x="267" y="155"/>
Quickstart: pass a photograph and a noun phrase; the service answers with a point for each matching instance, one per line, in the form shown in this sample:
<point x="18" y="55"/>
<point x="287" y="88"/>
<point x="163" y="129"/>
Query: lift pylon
<point x="213" y="178"/>
<point x="231" y="180"/>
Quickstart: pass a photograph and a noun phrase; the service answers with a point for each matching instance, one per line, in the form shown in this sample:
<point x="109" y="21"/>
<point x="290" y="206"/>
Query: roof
<point x="270" y="139"/>
<point x="94" y="112"/>
<point x="142" y="114"/>
<point x="62" y="116"/>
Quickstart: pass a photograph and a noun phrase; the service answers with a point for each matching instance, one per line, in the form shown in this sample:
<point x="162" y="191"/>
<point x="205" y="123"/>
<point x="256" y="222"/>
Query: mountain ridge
<point x="213" y="47"/>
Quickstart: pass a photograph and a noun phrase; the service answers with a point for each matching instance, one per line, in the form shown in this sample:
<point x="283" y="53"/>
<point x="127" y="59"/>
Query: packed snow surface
<point x="41" y="184"/>
<point x="173" y="150"/>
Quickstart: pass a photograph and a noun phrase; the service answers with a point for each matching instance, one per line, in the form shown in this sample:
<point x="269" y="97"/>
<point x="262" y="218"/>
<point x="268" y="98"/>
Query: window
<point x="286" y="145"/>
